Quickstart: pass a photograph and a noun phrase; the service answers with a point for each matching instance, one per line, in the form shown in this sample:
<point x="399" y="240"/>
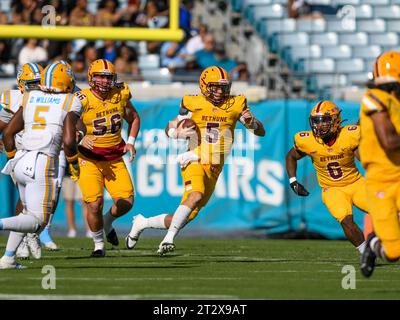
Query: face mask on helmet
<point x="218" y="92"/>
<point x="321" y="125"/>
<point x="103" y="82"/>
<point x="31" y="84"/>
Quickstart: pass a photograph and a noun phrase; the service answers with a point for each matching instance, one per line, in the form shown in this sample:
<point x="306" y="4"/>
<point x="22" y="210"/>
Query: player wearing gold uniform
<point x="332" y="149"/>
<point x="105" y="105"/>
<point x="215" y="113"/>
<point x="380" y="156"/>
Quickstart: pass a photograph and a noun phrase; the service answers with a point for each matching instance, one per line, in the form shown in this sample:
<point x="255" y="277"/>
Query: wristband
<point x="292" y="179"/>
<point x="11" y="154"/>
<point x="131" y="140"/>
<point x="72" y="159"/>
<point x="171" y="132"/>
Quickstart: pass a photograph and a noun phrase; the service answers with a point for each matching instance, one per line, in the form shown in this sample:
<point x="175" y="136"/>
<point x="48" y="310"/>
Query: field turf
<point x="202" y="269"/>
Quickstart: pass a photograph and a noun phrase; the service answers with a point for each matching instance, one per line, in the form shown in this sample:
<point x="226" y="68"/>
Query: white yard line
<point x="109" y="297"/>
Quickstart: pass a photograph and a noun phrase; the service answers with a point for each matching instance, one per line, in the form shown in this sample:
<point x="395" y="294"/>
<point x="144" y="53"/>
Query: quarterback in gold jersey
<point x="380" y="156"/>
<point x="105" y="104"/>
<point x="215" y="113"/>
<point x="332" y="148"/>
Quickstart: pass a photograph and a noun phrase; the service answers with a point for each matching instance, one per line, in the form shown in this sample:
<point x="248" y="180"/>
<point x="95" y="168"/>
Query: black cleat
<point x="98" y="253"/>
<point x="113" y="238"/>
<point x="368" y="259"/>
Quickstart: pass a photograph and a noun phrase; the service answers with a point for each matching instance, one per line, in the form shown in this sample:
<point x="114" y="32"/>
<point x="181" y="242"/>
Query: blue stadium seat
<point x="366" y="52"/>
<point x="325" y="80"/>
<point x="377" y="2"/>
<point x="349" y="65"/>
<point x="243" y="4"/>
<point x="358" y="78"/>
<point x="354" y="39"/>
<point x="254" y="13"/>
<point x="387" y="12"/>
<point x="364" y="11"/>
<point x="305" y="52"/>
<point x="149" y="61"/>
<point x="337" y="52"/>
<point x="269" y="27"/>
<point x="320" y="2"/>
<point x="346" y="2"/>
<point x="325" y="39"/>
<point x="371" y="25"/>
<point x="338" y="26"/>
<point x="369" y="64"/>
<point x="310" y="25"/>
<point x="319" y="66"/>
<point x="384" y="39"/>
<point x="393" y="25"/>
<point x="289" y="39"/>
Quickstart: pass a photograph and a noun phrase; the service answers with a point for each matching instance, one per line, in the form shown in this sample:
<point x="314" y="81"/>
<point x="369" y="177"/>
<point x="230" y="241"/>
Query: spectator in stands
<point x="185" y="15"/>
<point x="61" y="12"/>
<point x="108" y="51"/>
<point x="221" y="59"/>
<point x="127" y="61"/>
<point x="21" y="11"/>
<point x="59" y="50"/>
<point x="80" y="16"/>
<point x="32" y="52"/>
<point x="3" y="18"/>
<point x="4" y="51"/>
<point x="37" y="16"/>
<point x="301" y="9"/>
<point x="107" y="15"/>
<point x="240" y="72"/>
<point x="205" y="57"/>
<point x="172" y="56"/>
<point x="196" y="43"/>
<point x="156" y="17"/>
<point x="129" y="14"/>
<point x="70" y="194"/>
<point x="84" y="58"/>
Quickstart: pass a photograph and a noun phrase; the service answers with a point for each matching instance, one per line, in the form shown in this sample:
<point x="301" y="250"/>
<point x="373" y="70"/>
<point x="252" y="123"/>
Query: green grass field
<point x="202" y="269"/>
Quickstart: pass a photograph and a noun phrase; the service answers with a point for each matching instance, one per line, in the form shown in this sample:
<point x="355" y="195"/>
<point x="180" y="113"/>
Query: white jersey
<point x="10" y="102"/>
<point x="44" y="115"/>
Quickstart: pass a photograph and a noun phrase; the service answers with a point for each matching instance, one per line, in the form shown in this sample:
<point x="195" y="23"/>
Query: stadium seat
<point x="371" y="25"/>
<point x="364" y="11"/>
<point x="345" y="2"/>
<point x="338" y="26"/>
<point x="369" y="64"/>
<point x="377" y="2"/>
<point x="149" y="61"/>
<point x="254" y="13"/>
<point x="325" y="80"/>
<point x="320" y="2"/>
<point x="269" y="27"/>
<point x="158" y="75"/>
<point x="384" y="39"/>
<point x="325" y="39"/>
<point x="305" y="52"/>
<point x="319" y="66"/>
<point x="309" y="25"/>
<point x="243" y="4"/>
<point x="366" y="52"/>
<point x="354" y="39"/>
<point x="387" y="12"/>
<point x="393" y="25"/>
<point x="358" y="78"/>
<point x="349" y="65"/>
<point x="337" y="52"/>
<point x="289" y="39"/>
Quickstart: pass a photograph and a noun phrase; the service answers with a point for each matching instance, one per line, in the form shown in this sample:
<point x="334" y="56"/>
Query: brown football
<point x="196" y="140"/>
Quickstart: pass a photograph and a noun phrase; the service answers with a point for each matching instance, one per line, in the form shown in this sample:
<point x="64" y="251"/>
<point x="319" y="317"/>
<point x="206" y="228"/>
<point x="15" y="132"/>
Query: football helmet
<point x="28" y="76"/>
<point x="106" y="70"/>
<point x="57" y="78"/>
<point x="325" y="119"/>
<point x="215" y="84"/>
<point x="387" y="68"/>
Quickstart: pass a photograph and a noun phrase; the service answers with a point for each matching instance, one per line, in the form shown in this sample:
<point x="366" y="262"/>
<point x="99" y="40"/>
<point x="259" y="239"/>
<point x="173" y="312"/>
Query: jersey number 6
<point x="334" y="170"/>
<point x="100" y="125"/>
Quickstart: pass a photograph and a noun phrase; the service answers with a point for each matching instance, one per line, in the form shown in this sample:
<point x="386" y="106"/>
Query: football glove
<point x="299" y="189"/>
<point x="74" y="171"/>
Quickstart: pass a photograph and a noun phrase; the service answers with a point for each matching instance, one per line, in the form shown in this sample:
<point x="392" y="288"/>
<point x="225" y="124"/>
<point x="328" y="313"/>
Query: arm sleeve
<point x="300" y="142"/>
<point x="76" y="106"/>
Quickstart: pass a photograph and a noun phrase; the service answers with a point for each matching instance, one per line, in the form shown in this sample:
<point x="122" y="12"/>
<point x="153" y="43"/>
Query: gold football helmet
<point x="56" y="77"/>
<point x="325" y="119"/>
<point x="102" y="76"/>
<point x="387" y="68"/>
<point x="215" y="84"/>
<point x="28" y="76"/>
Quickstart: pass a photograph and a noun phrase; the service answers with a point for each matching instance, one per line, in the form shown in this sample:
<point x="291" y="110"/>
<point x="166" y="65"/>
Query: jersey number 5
<point x="212" y="133"/>
<point x="40" y="122"/>
<point x="334" y="170"/>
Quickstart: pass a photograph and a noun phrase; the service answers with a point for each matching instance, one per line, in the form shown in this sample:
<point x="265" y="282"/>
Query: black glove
<point x="299" y="189"/>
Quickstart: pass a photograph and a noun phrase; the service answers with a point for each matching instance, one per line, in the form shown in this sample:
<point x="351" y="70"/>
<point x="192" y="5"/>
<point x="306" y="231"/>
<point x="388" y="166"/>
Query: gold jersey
<point x="216" y="126"/>
<point x="379" y="165"/>
<point x="334" y="164"/>
<point x="103" y="120"/>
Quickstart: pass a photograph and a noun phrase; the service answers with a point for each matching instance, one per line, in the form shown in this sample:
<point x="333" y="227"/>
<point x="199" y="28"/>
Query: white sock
<point x="178" y="222"/>
<point x="361" y="247"/>
<point x="108" y="219"/>
<point x="21" y="223"/>
<point x="14" y="240"/>
<point x="98" y="236"/>
<point x="156" y="222"/>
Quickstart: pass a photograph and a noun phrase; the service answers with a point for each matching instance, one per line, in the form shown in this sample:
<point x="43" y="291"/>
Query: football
<point x="193" y="141"/>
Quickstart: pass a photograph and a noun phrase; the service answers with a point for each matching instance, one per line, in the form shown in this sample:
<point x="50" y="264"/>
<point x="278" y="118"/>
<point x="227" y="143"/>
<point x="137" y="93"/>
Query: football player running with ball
<point x="333" y="149"/>
<point x="380" y="156"/>
<point x="215" y="113"/>
<point x="105" y="104"/>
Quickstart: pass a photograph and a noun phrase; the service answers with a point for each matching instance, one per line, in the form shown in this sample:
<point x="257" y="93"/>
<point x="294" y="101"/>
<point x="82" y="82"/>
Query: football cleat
<point x="138" y="225"/>
<point x="112" y="238"/>
<point x="165" y="247"/>
<point x="47" y="241"/>
<point x="23" y="250"/>
<point x="10" y="263"/>
<point x="99" y="253"/>
<point x="34" y="245"/>
<point x="368" y="258"/>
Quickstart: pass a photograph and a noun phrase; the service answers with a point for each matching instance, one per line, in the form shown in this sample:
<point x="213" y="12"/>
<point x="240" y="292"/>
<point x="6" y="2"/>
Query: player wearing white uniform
<point x="28" y="78"/>
<point x="48" y="118"/>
